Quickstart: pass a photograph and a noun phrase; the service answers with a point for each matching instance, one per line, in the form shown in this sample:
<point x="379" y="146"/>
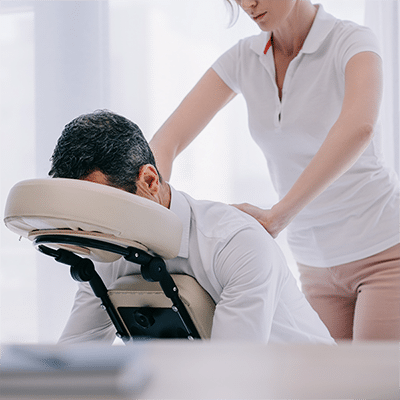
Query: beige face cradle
<point x="88" y="209"/>
<point x="70" y="219"/>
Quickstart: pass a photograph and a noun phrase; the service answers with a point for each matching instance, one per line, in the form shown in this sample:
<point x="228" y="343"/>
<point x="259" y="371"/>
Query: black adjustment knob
<point x="144" y="318"/>
<point x="83" y="271"/>
<point x="154" y="271"/>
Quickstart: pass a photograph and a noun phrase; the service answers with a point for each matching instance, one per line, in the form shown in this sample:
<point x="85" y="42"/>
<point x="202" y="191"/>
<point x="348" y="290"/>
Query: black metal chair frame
<point x="152" y="268"/>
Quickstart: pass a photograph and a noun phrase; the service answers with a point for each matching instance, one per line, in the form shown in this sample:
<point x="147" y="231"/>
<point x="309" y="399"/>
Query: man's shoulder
<point x="220" y="220"/>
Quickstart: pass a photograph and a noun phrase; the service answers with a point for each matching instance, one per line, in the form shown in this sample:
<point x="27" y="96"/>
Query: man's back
<point x="244" y="270"/>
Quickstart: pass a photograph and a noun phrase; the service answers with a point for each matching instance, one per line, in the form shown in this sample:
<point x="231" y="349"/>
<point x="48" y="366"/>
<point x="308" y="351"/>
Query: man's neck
<point x="165" y="194"/>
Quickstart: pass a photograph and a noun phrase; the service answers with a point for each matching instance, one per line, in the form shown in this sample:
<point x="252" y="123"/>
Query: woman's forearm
<point x="189" y="119"/>
<point x="347" y="139"/>
<point x="344" y="144"/>
<point x="338" y="153"/>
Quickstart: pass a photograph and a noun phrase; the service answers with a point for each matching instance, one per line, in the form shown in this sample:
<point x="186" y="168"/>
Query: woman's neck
<point x="289" y="38"/>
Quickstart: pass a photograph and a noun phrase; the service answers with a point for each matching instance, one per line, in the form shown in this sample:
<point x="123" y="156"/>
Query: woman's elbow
<point x="366" y="132"/>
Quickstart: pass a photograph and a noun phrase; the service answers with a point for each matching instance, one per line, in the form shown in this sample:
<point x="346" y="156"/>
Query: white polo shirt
<point x="240" y="266"/>
<point x="358" y="215"/>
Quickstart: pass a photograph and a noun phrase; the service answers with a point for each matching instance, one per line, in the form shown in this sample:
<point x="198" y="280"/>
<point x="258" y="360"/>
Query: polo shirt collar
<point x="180" y="206"/>
<point x="322" y="26"/>
<point x="258" y="42"/>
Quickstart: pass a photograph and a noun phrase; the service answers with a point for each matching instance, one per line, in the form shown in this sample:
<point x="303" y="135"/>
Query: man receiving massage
<point x="228" y="252"/>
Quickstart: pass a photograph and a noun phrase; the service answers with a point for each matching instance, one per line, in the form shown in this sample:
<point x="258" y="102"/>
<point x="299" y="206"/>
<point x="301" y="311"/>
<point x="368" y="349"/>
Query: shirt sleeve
<point x="88" y="322"/>
<point x="251" y="270"/>
<point x="227" y="66"/>
<point x="354" y="41"/>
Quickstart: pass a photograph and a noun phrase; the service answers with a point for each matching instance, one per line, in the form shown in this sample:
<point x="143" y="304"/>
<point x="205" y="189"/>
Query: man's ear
<point x="148" y="180"/>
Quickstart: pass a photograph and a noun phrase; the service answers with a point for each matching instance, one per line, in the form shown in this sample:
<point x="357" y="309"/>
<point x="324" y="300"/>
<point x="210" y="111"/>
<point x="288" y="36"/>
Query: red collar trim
<point x="269" y="44"/>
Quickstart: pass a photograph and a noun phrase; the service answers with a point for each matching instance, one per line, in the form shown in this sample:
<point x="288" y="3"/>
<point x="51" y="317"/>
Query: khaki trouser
<point x="359" y="300"/>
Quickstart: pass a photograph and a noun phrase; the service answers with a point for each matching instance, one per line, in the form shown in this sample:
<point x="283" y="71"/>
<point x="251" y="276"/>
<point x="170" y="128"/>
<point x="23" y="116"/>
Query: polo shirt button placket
<point x="278" y="112"/>
<point x="286" y="83"/>
<point x="280" y="108"/>
<point x="278" y="118"/>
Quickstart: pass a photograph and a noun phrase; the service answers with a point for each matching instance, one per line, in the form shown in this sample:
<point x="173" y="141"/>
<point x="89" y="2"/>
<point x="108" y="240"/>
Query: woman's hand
<point x="273" y="223"/>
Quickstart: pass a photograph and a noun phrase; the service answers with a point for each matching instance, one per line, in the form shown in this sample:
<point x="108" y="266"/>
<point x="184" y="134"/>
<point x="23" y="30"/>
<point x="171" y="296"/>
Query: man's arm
<point x="88" y="322"/>
<point x="251" y="270"/>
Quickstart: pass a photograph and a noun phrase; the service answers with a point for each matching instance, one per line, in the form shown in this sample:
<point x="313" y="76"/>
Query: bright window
<point x="18" y="286"/>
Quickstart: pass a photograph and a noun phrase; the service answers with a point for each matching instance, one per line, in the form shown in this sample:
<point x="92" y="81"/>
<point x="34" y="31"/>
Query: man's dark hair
<point x="102" y="141"/>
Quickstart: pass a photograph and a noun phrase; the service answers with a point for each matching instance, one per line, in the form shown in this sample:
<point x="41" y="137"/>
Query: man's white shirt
<point x="237" y="262"/>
